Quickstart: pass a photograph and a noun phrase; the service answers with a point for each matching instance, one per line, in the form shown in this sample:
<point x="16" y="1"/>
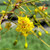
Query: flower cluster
<point x="41" y="8"/>
<point x="24" y="25"/>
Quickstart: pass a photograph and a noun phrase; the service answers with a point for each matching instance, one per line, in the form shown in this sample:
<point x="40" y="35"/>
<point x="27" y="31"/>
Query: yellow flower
<point x="41" y="8"/>
<point x="46" y="32"/>
<point x="0" y="27"/>
<point x="40" y="34"/>
<point x="24" y="25"/>
<point x="26" y="45"/>
<point x="8" y="25"/>
<point x="36" y="10"/>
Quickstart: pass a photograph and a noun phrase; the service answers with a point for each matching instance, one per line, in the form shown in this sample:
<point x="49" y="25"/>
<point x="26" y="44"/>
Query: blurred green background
<point x="8" y="38"/>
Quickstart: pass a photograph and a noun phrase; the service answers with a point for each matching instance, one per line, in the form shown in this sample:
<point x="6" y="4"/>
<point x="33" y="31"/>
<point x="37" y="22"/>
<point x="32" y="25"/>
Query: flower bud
<point x="15" y="42"/>
<point x="46" y="13"/>
<point x="46" y="32"/>
<point x="36" y="10"/>
<point x="40" y="34"/>
<point x="0" y="27"/>
<point x="26" y="45"/>
<point x="4" y="2"/>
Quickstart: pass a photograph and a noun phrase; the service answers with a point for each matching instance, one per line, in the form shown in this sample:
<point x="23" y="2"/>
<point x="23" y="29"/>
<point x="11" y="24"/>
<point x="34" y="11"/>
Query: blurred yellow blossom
<point x="40" y="8"/>
<point x="24" y="25"/>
